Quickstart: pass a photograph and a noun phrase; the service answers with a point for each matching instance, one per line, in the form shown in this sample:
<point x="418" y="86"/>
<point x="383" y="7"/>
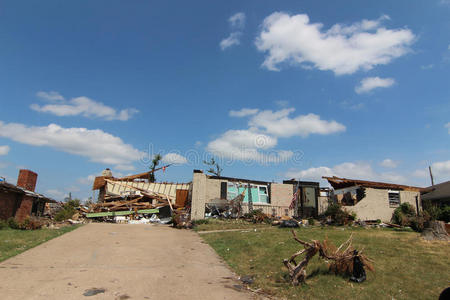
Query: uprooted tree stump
<point x="346" y="262"/>
<point x="435" y="231"/>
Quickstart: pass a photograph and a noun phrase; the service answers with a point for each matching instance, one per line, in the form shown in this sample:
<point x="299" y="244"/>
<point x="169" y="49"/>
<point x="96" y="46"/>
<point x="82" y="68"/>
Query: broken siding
<point x="121" y="187"/>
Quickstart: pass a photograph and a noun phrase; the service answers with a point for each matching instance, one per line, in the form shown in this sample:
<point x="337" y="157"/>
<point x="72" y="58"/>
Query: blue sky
<point x="272" y="89"/>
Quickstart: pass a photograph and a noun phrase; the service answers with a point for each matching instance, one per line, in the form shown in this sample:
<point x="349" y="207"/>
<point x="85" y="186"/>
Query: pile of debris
<point x="136" y="199"/>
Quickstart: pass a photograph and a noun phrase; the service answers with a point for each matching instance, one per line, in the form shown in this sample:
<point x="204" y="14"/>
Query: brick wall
<point x="8" y="202"/>
<point x="27" y="179"/>
<point x="24" y="210"/>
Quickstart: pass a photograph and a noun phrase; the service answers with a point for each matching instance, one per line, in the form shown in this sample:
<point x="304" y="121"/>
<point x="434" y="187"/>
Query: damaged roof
<point x="8" y="187"/>
<point x="340" y="183"/>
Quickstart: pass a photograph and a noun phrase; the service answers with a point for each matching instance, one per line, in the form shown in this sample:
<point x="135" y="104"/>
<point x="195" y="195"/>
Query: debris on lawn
<point x="93" y="292"/>
<point x="345" y="262"/>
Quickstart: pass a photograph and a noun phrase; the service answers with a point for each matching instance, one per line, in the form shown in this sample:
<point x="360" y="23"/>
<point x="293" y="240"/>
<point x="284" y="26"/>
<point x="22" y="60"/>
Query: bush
<point x="12" y="223"/>
<point x="402" y="214"/>
<point x="69" y="209"/>
<point x="311" y="221"/>
<point x="30" y="224"/>
<point x="199" y="222"/>
<point x="64" y="214"/>
<point x="405" y="215"/>
<point x="3" y="224"/>
<point x="445" y="214"/>
<point x="338" y="215"/>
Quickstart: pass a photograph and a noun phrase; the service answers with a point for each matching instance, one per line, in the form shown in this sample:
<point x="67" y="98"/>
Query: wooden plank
<point x="182" y="197"/>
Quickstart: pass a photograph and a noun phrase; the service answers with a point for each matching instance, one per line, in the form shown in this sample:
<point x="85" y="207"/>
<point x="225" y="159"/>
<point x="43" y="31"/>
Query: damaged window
<point x="394" y="198"/>
<point x="263" y="196"/>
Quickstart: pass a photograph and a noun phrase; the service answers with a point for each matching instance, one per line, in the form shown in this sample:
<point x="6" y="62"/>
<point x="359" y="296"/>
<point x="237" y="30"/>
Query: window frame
<point x="392" y="203"/>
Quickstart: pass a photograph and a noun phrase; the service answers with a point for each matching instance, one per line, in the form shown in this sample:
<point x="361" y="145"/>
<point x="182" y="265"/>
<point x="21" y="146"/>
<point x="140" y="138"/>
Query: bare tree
<point x="214" y="167"/>
<point x="155" y="162"/>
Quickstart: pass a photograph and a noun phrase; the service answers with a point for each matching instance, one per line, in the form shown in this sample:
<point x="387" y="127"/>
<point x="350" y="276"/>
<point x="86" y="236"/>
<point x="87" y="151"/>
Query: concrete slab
<point x="126" y="261"/>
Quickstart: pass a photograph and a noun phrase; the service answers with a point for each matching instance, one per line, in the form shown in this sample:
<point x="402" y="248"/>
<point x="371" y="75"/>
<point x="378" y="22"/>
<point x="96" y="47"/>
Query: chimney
<point x="27" y="180"/>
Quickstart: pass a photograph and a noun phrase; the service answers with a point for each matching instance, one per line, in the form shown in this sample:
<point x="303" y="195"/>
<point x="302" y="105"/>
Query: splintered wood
<point x="341" y="260"/>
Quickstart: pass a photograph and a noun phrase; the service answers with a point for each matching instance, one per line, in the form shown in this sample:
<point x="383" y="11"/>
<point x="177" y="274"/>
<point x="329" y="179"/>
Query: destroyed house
<point x="136" y="194"/>
<point x="372" y="200"/>
<point x="20" y="201"/>
<point x="211" y="194"/>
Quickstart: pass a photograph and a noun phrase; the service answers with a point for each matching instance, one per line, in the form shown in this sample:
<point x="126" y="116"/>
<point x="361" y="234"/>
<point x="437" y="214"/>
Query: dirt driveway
<point x="127" y="261"/>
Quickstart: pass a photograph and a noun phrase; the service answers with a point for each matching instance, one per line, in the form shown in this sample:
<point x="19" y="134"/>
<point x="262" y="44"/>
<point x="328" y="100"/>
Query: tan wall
<point x="213" y="188"/>
<point x="198" y="196"/>
<point x="375" y="205"/>
<point x="323" y="204"/>
<point x="205" y="190"/>
<point x="281" y="194"/>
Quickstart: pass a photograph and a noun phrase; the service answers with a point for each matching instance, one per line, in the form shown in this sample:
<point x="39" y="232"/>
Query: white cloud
<point x="237" y="23"/>
<point x="174" y="158"/>
<point x="257" y="142"/>
<point x="56" y="194"/>
<point x="50" y="96"/>
<point x="440" y="170"/>
<point x="125" y="167"/>
<point x="247" y="145"/>
<point x="427" y="67"/>
<point x="83" y="106"/>
<point x="353" y="170"/>
<point x="447" y="126"/>
<point x="4" y="150"/>
<point x="231" y="40"/>
<point x="370" y="83"/>
<point x="237" y="20"/>
<point x="352" y="106"/>
<point x="243" y="112"/>
<point x="343" y="49"/>
<point x="95" y="144"/>
<point x="389" y="163"/>
<point x="279" y="123"/>
<point x="88" y="180"/>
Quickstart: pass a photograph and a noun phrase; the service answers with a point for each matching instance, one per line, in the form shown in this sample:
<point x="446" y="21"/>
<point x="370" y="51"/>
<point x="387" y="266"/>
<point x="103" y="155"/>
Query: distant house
<point x="438" y="194"/>
<point x="20" y="201"/>
<point x="372" y="200"/>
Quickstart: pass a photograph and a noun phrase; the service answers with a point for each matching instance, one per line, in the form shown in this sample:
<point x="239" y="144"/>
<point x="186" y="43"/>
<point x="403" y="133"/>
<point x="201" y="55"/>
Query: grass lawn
<point x="14" y="241"/>
<point x="406" y="267"/>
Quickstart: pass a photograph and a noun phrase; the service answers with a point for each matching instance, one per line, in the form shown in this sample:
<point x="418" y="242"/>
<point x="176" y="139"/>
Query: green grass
<point x="406" y="267"/>
<point x="215" y="224"/>
<point x="14" y="241"/>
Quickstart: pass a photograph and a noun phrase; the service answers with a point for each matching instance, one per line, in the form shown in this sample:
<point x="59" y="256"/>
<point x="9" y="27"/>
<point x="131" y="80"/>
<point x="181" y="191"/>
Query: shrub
<point x="3" y="224"/>
<point x="64" y="214"/>
<point x="445" y="214"/>
<point x="69" y="209"/>
<point x="311" y="221"/>
<point x="30" y="224"/>
<point x="403" y="213"/>
<point x="199" y="222"/>
<point x="338" y="215"/>
<point x="12" y="223"/>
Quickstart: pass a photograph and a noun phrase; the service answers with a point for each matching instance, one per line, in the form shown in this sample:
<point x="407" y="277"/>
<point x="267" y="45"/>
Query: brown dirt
<point x="113" y="261"/>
